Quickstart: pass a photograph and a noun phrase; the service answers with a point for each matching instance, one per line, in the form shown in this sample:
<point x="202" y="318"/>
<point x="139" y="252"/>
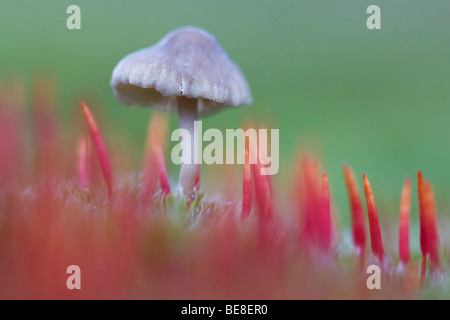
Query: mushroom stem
<point x="187" y="114"/>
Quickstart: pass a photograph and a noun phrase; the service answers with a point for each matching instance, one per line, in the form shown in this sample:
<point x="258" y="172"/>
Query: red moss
<point x="375" y="231"/>
<point x="100" y="148"/>
<point x="155" y="250"/>
<point x="326" y="232"/>
<point x="431" y="225"/>
<point x="158" y="155"/>
<point x="358" y="226"/>
<point x="310" y="200"/>
<point x="154" y="156"/>
<point x="429" y="236"/>
<point x="315" y="206"/>
<point x="263" y="191"/>
<point x="422" y="212"/>
<point x="405" y="207"/>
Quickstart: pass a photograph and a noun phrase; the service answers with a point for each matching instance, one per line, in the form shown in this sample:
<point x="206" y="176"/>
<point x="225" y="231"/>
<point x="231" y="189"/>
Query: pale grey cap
<point x="188" y="62"/>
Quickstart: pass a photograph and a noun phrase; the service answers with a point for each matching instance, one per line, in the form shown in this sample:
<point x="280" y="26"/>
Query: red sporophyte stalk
<point x="82" y="161"/>
<point x="315" y="206"/>
<point x="326" y="211"/>
<point x="100" y="148"/>
<point x="158" y="155"/>
<point x="358" y="226"/>
<point x="154" y="156"/>
<point x="431" y="223"/>
<point x="422" y="217"/>
<point x="429" y="236"/>
<point x="309" y="199"/>
<point x="375" y="231"/>
<point x="263" y="190"/>
<point x="247" y="191"/>
<point x="421" y="196"/>
<point x="405" y="208"/>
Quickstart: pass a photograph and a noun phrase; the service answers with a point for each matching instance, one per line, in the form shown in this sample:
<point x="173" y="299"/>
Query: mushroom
<point x="186" y="71"/>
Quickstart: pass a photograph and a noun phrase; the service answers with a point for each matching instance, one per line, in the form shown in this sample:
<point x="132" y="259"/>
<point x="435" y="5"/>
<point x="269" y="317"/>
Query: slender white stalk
<point x="188" y="113"/>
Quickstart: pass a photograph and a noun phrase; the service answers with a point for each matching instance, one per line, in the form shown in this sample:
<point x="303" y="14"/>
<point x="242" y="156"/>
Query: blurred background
<point x="378" y="100"/>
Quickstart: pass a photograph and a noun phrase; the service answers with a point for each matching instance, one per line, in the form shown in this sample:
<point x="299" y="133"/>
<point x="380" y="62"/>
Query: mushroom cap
<point x="188" y="62"/>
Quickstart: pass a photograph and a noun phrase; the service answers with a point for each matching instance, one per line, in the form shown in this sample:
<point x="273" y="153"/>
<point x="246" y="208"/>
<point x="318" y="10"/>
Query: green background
<point x="378" y="100"/>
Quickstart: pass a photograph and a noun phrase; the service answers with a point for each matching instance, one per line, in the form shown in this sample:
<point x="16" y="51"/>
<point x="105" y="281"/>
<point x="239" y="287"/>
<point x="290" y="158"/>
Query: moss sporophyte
<point x="69" y="197"/>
